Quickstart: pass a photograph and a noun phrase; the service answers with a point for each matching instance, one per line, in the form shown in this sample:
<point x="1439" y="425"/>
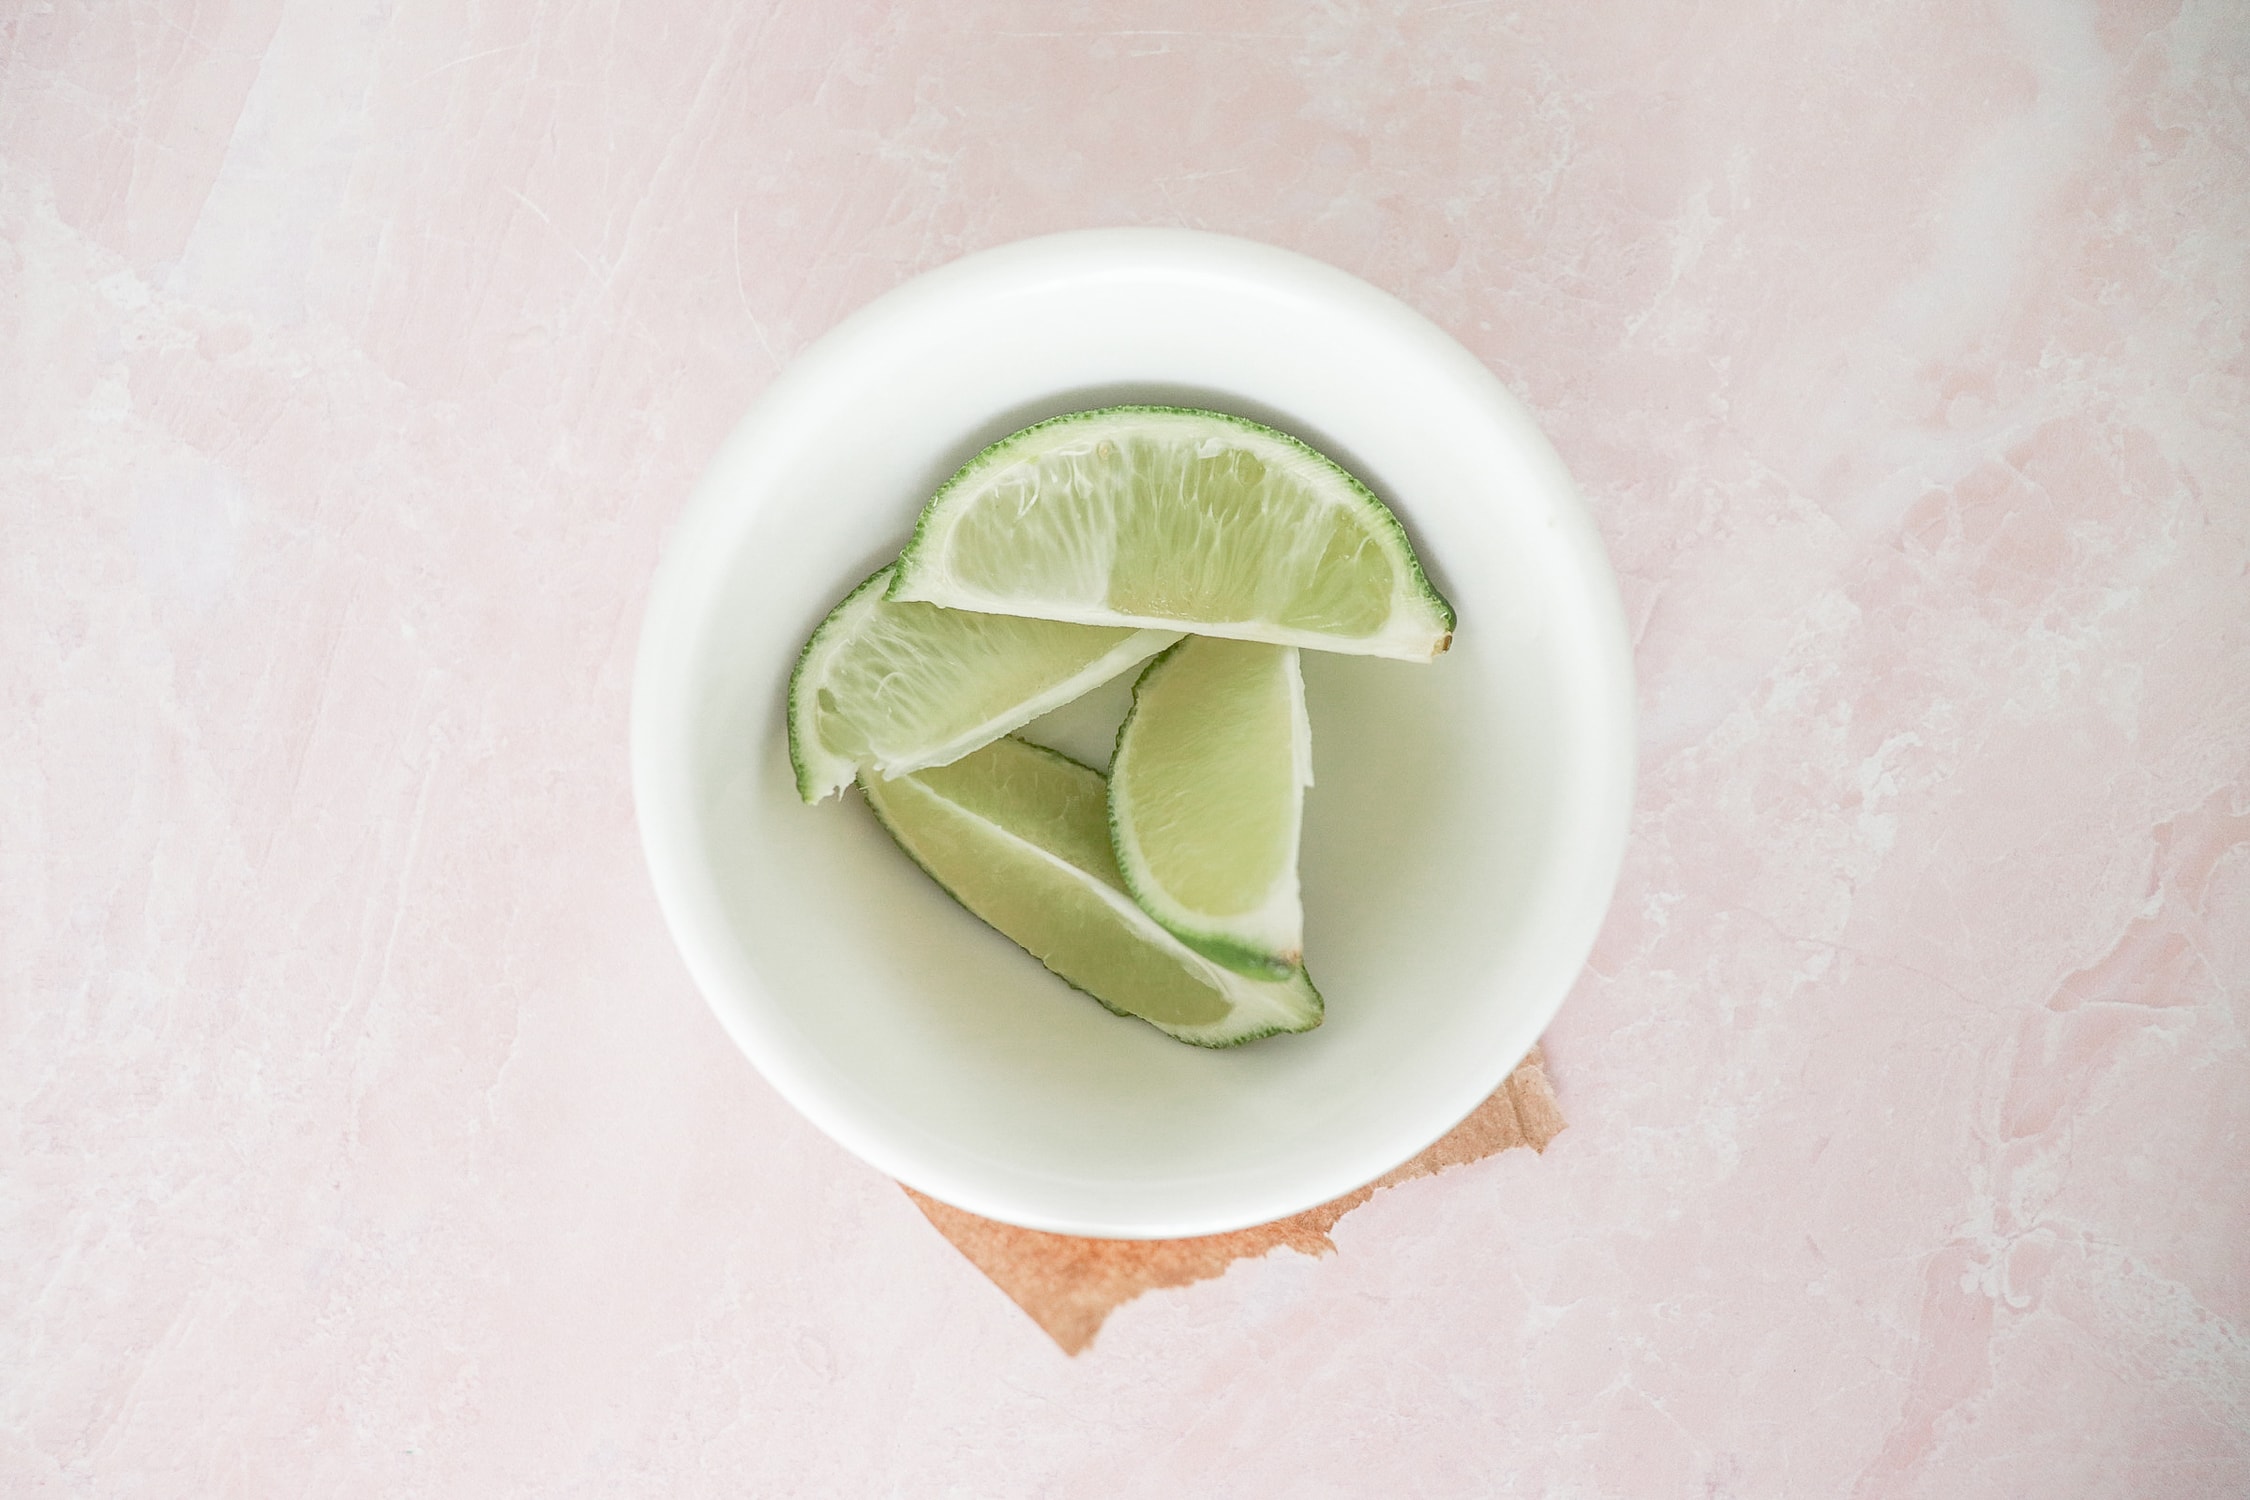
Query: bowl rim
<point x="685" y="584"/>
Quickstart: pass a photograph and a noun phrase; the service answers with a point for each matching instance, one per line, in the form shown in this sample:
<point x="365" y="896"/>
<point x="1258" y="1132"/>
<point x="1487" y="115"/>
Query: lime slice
<point x="1206" y="799"/>
<point x="1160" y="516"/>
<point x="897" y="687"/>
<point x="1020" y="836"/>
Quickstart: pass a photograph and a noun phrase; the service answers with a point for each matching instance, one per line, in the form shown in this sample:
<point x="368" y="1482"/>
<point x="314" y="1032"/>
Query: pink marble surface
<point x="360" y="1133"/>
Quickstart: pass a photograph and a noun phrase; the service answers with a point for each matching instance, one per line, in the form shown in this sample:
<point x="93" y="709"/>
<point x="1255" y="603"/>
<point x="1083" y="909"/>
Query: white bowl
<point x="1462" y="838"/>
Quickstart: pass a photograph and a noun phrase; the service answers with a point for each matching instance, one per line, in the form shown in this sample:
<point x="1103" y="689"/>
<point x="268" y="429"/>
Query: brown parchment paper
<point x="1070" y="1285"/>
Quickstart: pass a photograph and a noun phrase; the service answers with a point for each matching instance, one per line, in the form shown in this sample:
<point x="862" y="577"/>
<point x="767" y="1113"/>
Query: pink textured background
<point x="360" y="1132"/>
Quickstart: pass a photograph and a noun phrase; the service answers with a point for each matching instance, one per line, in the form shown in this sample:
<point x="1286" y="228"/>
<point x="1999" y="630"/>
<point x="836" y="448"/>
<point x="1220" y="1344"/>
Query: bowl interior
<point x="1462" y="834"/>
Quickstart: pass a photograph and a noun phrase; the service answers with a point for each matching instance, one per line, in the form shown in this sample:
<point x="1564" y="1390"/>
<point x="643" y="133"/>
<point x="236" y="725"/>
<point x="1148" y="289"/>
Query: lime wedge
<point x="898" y="687"/>
<point x="1160" y="516"/>
<point x="1020" y="836"/>
<point x="1206" y="799"/>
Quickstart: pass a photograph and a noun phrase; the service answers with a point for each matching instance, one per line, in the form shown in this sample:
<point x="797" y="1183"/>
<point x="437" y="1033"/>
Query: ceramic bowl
<point x="1462" y="836"/>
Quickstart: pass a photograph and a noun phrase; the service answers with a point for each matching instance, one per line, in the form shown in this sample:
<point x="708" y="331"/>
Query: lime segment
<point x="1206" y="800"/>
<point x="1019" y="835"/>
<point x="900" y="687"/>
<point x="1161" y="517"/>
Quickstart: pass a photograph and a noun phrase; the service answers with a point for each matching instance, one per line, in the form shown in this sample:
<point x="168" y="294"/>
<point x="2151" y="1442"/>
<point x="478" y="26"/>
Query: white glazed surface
<point x="1462" y="838"/>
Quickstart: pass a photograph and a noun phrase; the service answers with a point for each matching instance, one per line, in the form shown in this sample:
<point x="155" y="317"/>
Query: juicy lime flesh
<point x="922" y="674"/>
<point x="1042" y="798"/>
<point x="1012" y="884"/>
<point x="1151" y="527"/>
<point x="1208" y="776"/>
<point x="910" y="682"/>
